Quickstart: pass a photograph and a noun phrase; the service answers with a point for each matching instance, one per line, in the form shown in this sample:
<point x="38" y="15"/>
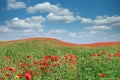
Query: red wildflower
<point x="48" y="70"/>
<point x="93" y="55"/>
<point x="55" y="58"/>
<point x="41" y="68"/>
<point x="54" y="65"/>
<point x="7" y="74"/>
<point x="44" y="63"/>
<point x="27" y="75"/>
<point x="36" y="73"/>
<point x="89" y="59"/>
<point x="18" y="76"/>
<point x="7" y="57"/>
<point x="28" y="56"/>
<point x="101" y="75"/>
<point x="0" y="70"/>
<point x="12" y="69"/>
<point x="35" y="62"/>
<point x="2" y="78"/>
<point x="23" y="65"/>
<point x="47" y="58"/>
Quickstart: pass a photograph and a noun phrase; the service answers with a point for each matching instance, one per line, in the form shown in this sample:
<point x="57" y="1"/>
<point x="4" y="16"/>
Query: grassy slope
<point x="39" y="47"/>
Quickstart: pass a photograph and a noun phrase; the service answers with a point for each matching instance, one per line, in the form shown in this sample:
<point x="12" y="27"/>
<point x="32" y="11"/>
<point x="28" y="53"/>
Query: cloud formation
<point x="55" y="12"/>
<point x="13" y="4"/>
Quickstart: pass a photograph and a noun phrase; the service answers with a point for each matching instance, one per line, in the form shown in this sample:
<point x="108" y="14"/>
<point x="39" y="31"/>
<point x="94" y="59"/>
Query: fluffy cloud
<point x="60" y="18"/>
<point x="23" y="28"/>
<point x="57" y="31"/>
<point x="28" y="23"/>
<point x="13" y="4"/>
<point x="102" y="27"/>
<point x="55" y="12"/>
<point x="107" y="20"/>
<point x="85" y="20"/>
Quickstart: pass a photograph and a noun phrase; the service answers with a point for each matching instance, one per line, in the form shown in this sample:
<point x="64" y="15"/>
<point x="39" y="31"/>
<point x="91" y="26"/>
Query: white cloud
<point x="102" y="27"/>
<point x="28" y="23"/>
<point x="73" y="34"/>
<point x="13" y="4"/>
<point x="60" y="18"/>
<point x="107" y="20"/>
<point x="55" y="12"/>
<point x="86" y="20"/>
<point x="23" y="28"/>
<point x="57" y="31"/>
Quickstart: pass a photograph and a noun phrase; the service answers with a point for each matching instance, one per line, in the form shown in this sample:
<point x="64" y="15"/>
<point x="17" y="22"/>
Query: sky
<point x="75" y="21"/>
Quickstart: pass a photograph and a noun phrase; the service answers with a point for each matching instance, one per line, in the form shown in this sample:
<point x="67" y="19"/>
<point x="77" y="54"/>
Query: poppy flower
<point x="28" y="57"/>
<point x="55" y="58"/>
<point x="12" y="69"/>
<point x="35" y="62"/>
<point x="47" y="58"/>
<point x="101" y="75"/>
<point x="45" y="63"/>
<point x="18" y="76"/>
<point x="27" y="75"/>
<point x="2" y="78"/>
<point x="41" y="68"/>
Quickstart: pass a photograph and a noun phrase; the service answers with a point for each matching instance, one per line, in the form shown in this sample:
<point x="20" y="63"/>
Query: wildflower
<point x="55" y="58"/>
<point x="28" y="56"/>
<point x="93" y="55"/>
<point x="101" y="75"/>
<point x="54" y="65"/>
<point x="7" y="57"/>
<point x="7" y="74"/>
<point x="47" y="58"/>
<point x="18" y="76"/>
<point x="48" y="70"/>
<point x="35" y="62"/>
<point x="45" y="64"/>
<point x="41" y="68"/>
<point x="36" y="72"/>
<point x="2" y="78"/>
<point x="27" y="75"/>
<point x="12" y="69"/>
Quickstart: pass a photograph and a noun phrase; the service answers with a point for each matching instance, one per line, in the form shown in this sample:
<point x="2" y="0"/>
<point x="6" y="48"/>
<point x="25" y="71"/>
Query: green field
<point x="48" y="60"/>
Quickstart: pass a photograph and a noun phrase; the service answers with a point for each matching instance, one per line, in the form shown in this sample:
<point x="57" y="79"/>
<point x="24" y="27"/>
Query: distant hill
<point x="53" y="41"/>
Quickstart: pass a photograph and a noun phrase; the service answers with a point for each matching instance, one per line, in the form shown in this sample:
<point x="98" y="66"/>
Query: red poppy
<point x="36" y="73"/>
<point x="54" y="65"/>
<point x="7" y="57"/>
<point x="101" y="75"/>
<point x="18" y="76"/>
<point x="35" y="62"/>
<point x="47" y="58"/>
<point x="7" y="74"/>
<point x="45" y="63"/>
<point x="27" y="75"/>
<point x="2" y="78"/>
<point x="12" y="69"/>
<point x="93" y="55"/>
<point x="28" y="56"/>
<point x="55" y="58"/>
<point x="0" y="70"/>
<point x="41" y="68"/>
<point x="48" y="70"/>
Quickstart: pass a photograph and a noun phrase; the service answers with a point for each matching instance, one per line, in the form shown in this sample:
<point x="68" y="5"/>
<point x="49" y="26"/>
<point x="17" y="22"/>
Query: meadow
<point x="45" y="59"/>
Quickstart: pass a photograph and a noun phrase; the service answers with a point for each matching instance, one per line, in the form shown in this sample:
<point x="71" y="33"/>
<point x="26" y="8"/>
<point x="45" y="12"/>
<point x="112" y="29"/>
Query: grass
<point x="28" y="58"/>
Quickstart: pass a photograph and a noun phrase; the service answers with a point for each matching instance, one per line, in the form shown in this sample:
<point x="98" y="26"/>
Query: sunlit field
<point x="53" y="60"/>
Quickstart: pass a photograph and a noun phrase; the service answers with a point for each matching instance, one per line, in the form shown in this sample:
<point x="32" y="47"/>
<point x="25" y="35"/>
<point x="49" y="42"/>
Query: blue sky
<point x="81" y="21"/>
